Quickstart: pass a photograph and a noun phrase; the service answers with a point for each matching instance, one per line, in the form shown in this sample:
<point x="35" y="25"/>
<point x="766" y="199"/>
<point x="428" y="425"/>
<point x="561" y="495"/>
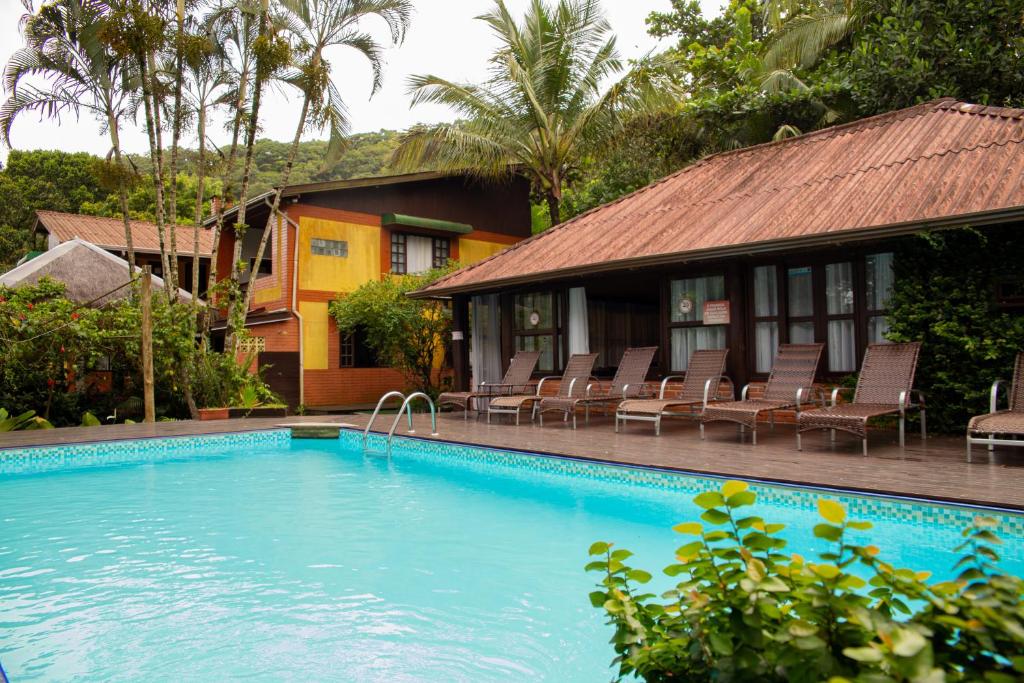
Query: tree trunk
<point x="149" y="104"/>
<point x="200" y="188"/>
<point x="236" y="318"/>
<point x="122" y="193"/>
<point x="554" y="208"/>
<point x="276" y="204"/>
<point x="179" y="76"/>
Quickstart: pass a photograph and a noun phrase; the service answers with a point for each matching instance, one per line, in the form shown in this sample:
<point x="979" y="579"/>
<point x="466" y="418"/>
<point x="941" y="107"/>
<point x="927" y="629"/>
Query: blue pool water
<point x="308" y="560"/>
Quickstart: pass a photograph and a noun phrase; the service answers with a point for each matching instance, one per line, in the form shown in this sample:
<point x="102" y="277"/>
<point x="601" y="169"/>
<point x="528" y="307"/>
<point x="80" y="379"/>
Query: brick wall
<point x="351" y="386"/>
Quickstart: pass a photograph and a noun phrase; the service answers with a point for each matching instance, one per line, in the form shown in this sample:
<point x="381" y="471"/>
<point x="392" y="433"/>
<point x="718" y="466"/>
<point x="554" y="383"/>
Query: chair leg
<point x="701" y="431"/>
<point x="924" y="429"/>
<point x="657" y="426"/>
<point x="991" y="446"/>
<point x="574" y="418"/>
<point x="903" y="428"/>
<point x="833" y="435"/>
<point x="616" y="422"/>
<point x="542" y="418"/>
<point x="798" y="445"/>
<point x="864" y="442"/>
<point x="968" y="447"/>
<point x="753" y="436"/>
<point x="488" y="416"/>
<point x="771" y="420"/>
<point x="586" y="413"/>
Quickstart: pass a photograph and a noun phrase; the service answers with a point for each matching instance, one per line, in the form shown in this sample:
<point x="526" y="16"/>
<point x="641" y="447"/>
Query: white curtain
<point x="766" y="302"/>
<point x="766" y="342"/>
<point x="842" y="353"/>
<point x="880" y="280"/>
<point x="419" y="253"/>
<point x="485" y="340"/>
<point x="579" y="329"/>
<point x="686" y="340"/>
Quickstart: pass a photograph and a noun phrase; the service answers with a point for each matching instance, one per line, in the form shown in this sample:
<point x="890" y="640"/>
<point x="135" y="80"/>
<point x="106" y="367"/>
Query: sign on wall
<point x="716" y="312"/>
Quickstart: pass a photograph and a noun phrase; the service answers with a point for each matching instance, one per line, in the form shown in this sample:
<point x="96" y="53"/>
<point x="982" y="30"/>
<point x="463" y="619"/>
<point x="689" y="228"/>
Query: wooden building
<point x="338" y="235"/>
<point x="791" y="241"/>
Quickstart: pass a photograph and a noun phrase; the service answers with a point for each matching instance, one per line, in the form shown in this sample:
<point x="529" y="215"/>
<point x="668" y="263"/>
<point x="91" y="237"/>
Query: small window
<point x="442" y="247"/>
<point x="266" y="266"/>
<point x="355" y="352"/>
<point x="418" y="254"/>
<point x="398" y="253"/>
<point x="321" y="247"/>
<point x="535" y="321"/>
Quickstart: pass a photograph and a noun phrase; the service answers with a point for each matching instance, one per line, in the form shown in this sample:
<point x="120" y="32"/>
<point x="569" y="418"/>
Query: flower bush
<point x="744" y="610"/>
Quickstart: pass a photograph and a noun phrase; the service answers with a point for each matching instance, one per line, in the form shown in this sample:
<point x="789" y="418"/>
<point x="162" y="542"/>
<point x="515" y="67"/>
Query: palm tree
<point x="543" y="107"/>
<point x="317" y="25"/>
<point x="63" y="46"/>
<point x="804" y="31"/>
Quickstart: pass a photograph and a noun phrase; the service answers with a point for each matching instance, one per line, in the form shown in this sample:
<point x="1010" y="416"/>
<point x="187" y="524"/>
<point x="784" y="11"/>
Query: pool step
<point x="316" y="430"/>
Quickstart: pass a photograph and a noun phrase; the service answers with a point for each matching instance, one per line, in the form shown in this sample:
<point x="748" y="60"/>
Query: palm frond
<point x="802" y="40"/>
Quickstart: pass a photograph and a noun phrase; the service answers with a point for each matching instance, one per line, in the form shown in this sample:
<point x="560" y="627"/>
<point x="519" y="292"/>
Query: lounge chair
<point x="792" y="378"/>
<point x="700" y="385"/>
<point x="884" y="387"/>
<point x="574" y="383"/>
<point x="1000" y="425"/>
<point x="515" y="381"/>
<point x="629" y="381"/>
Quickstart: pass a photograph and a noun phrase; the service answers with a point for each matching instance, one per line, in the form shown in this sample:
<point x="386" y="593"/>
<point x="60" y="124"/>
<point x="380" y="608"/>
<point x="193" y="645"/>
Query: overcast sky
<point x="444" y="39"/>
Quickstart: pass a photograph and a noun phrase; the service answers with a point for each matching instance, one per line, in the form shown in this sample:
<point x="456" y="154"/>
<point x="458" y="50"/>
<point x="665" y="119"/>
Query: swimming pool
<point x="258" y="556"/>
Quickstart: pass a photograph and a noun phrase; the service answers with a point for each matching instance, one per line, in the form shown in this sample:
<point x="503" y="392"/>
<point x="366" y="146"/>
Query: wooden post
<point x="147" y="344"/>
<point x="460" y="342"/>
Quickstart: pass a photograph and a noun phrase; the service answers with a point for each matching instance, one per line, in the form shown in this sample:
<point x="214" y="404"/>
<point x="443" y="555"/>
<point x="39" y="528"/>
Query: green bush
<point x="745" y="611"/>
<point x="945" y="297"/>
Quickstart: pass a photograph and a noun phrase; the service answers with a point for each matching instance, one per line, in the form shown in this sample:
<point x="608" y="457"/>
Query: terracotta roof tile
<point x="927" y="163"/>
<point x="109" y="233"/>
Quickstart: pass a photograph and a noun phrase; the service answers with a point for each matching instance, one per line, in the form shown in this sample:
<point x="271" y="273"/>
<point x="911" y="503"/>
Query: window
<point x="842" y="343"/>
<point x="687" y="332"/>
<point x="800" y="300"/>
<point x="354" y="352"/>
<point x="266" y="266"/>
<point x="417" y="254"/>
<point x="878" y="282"/>
<point x="766" y="317"/>
<point x="321" y="247"/>
<point x="535" y="326"/>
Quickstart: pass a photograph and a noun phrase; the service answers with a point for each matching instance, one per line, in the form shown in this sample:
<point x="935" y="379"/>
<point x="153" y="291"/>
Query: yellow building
<point x="338" y="235"/>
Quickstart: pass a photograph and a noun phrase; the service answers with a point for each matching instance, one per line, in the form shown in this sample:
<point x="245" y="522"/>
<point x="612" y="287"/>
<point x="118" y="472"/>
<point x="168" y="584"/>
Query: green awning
<point x="426" y="223"/>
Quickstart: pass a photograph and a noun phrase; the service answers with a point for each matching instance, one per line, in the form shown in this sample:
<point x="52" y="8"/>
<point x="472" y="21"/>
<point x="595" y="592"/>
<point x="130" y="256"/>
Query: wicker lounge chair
<point x="884" y="387"/>
<point x="1001" y="425"/>
<point x="629" y="381"/>
<point x="515" y="381"/>
<point x="574" y="383"/>
<point x="791" y="378"/>
<point x="700" y="385"/>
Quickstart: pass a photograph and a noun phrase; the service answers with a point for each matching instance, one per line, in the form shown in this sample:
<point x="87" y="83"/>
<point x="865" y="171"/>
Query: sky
<point x="444" y="39"/>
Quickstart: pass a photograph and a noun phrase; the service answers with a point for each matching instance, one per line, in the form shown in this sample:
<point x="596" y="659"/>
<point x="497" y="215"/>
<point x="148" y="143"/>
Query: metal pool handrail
<point x="405" y="405"/>
<point x="366" y="432"/>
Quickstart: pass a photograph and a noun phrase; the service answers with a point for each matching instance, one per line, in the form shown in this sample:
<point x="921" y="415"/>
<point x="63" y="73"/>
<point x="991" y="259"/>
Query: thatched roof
<point x="87" y="271"/>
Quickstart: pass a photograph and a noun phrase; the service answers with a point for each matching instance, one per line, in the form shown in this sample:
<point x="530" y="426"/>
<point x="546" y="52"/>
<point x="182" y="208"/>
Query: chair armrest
<point x="835" y="394"/>
<point x="812" y="393"/>
<point x="743" y="392"/>
<point x="665" y="381"/>
<point x="993" y="401"/>
<point x="540" y="384"/>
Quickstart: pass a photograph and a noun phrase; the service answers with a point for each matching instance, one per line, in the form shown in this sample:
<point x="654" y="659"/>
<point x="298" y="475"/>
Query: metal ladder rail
<point x="376" y="411"/>
<point x="405" y="405"/>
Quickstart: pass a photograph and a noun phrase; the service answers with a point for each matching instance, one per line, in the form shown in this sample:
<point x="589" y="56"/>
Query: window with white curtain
<point x="766" y="317"/>
<point x="800" y="304"/>
<point x="418" y="254"/>
<point x="535" y="320"/>
<point x="688" y="332"/>
<point x="842" y="341"/>
<point x="878" y="283"/>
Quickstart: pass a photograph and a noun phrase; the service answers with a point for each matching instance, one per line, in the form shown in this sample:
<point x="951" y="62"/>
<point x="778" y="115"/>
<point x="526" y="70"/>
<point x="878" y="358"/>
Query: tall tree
<point x="65" y="47"/>
<point x="316" y="26"/>
<point x="543" y="106"/>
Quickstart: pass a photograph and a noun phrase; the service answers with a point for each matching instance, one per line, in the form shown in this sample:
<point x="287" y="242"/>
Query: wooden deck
<point x="936" y="469"/>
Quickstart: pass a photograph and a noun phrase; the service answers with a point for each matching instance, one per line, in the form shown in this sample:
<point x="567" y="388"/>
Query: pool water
<point x="308" y="560"/>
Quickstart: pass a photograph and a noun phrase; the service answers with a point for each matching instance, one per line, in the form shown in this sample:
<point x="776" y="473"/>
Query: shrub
<point x="745" y="611"/>
<point x="944" y="296"/>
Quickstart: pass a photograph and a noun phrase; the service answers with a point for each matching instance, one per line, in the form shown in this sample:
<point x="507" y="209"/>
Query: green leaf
<point x="599" y="548"/>
<point x="721" y="643"/>
<point x="907" y="642"/>
<point x="690" y="550"/>
<point x="809" y="643"/>
<point x="709" y="499"/>
<point x="863" y="654"/>
<point x="733" y="487"/>
<point x="828" y="532"/>
<point x="598" y="598"/>
<point x="638" y="575"/>
<point x="740" y="499"/>
<point x="621" y="554"/>
<point x="692" y="528"/>
<point x="826" y="571"/>
<point x="716" y="517"/>
<point x="859" y="526"/>
<point x="831" y="511"/>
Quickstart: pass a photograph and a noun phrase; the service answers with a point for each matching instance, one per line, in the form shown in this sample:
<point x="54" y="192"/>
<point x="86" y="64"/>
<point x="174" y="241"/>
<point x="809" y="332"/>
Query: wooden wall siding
<point x="496" y="207"/>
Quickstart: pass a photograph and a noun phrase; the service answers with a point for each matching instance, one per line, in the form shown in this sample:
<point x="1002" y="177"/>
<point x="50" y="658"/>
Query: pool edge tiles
<point x="858" y="503"/>
<point x="36" y="459"/>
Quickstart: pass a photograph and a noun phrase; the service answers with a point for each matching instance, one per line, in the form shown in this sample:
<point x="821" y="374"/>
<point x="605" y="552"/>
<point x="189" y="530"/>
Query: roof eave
<point x="859" y="235"/>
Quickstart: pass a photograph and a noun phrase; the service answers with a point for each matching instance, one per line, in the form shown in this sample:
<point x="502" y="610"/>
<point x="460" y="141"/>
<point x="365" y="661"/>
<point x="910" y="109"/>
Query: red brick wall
<point x="351" y="386"/>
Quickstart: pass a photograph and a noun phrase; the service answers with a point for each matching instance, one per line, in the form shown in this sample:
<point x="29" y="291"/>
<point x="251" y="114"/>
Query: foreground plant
<point x="743" y="610"/>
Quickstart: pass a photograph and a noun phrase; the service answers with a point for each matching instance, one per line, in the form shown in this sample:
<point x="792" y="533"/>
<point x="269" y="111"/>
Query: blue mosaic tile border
<point x="1010" y="525"/>
<point x="99" y="453"/>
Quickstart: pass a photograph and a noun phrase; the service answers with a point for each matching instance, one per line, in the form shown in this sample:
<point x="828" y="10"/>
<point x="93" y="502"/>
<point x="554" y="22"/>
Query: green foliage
<point x="743" y="610"/>
<point x="922" y="50"/>
<point x="25" y="421"/>
<point x="968" y="339"/>
<point x="410" y="335"/>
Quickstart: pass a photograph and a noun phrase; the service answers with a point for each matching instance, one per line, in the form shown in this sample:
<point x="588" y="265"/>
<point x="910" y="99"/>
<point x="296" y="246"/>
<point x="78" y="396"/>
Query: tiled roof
<point x="109" y="233"/>
<point x="924" y="165"/>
